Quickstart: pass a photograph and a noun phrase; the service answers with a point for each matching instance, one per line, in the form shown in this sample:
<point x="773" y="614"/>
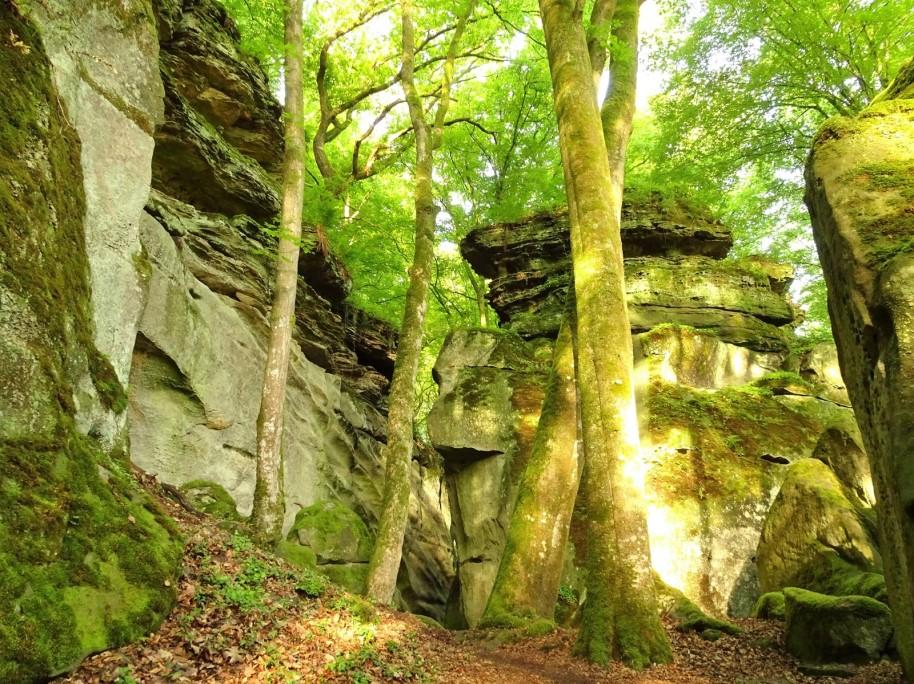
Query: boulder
<point x="815" y="537"/>
<point x="211" y="498"/>
<point x="859" y="191"/>
<point x="334" y="532"/>
<point x="824" y="629"/>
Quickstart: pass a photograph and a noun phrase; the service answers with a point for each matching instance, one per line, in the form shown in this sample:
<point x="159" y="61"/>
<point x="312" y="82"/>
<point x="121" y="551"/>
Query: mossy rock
<point x="688" y="616"/>
<point x="835" y="629"/>
<point x="298" y="555"/>
<point x="334" y="532"/>
<point x="87" y="560"/>
<point x="770" y="606"/>
<point x="350" y="576"/>
<point x="817" y="537"/>
<point x="212" y="499"/>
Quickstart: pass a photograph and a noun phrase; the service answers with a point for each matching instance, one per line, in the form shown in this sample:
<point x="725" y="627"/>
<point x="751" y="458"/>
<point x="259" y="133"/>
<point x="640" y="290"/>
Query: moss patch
<point x="725" y="427"/>
<point x="687" y="615"/>
<point x="770" y="606"/>
<point x="334" y="532"/>
<point x="212" y="499"/>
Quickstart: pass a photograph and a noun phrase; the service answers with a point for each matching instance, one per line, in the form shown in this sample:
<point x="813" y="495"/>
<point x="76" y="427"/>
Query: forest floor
<point x="245" y="616"/>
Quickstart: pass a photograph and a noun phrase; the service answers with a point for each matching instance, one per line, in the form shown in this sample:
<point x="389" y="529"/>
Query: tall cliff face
<point x="86" y="559"/>
<point x="725" y="408"/>
<point x="139" y="156"/>
<point x="860" y="194"/>
<point x="197" y="368"/>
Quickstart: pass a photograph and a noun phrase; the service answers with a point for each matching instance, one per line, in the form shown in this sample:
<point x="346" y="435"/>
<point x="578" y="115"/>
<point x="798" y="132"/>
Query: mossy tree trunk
<point x="620" y="617"/>
<point x="268" y="512"/>
<point x="530" y="571"/>
<point x="385" y="559"/>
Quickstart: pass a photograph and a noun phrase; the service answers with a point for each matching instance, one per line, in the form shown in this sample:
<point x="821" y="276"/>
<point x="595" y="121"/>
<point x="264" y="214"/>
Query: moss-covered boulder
<point x="835" y="629"/>
<point x="860" y="193"/>
<point x="771" y="606"/>
<point x="334" y="532"/>
<point x="87" y="560"/>
<point x="211" y="498"/>
<point x="817" y="538"/>
<point x="331" y="538"/>
<point x="688" y="616"/>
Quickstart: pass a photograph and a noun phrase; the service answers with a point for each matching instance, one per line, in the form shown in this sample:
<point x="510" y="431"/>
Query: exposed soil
<point x="245" y="616"/>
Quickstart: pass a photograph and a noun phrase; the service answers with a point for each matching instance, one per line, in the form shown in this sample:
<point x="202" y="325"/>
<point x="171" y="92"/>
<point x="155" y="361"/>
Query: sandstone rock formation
<point x="815" y="536"/>
<point x="135" y="270"/>
<point x="724" y="405"/>
<point x="87" y="561"/>
<point x="197" y="368"/>
<point x="860" y="194"/>
<point x="674" y="274"/>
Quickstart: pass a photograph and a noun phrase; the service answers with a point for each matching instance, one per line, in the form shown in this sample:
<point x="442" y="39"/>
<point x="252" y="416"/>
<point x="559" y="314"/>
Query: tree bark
<point x="620" y="618"/>
<point x="385" y="559"/>
<point x="268" y="512"/>
<point x="530" y="571"/>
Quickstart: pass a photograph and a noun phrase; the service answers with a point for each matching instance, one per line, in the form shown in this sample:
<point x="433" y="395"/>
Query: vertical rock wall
<point x="860" y="194"/>
<point x="86" y="559"/>
<point x="207" y="265"/>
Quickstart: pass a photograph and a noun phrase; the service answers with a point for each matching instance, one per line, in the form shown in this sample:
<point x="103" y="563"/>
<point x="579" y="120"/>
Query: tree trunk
<point x="620" y="617"/>
<point x="530" y="571"/>
<point x="618" y="110"/>
<point x="479" y="290"/>
<point x="268" y="512"/>
<point x="385" y="559"/>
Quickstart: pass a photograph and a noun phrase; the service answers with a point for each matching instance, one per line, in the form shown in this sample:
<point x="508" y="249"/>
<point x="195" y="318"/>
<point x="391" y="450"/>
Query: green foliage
<point x="356" y="606"/>
<point x="311" y="583"/>
<point x="243" y="590"/>
<point x="750" y="84"/>
<point x="568" y="594"/>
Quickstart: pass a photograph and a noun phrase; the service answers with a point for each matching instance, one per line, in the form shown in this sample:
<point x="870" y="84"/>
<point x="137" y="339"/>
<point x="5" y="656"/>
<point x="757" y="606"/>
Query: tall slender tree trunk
<point x="268" y="510"/>
<point x="620" y="617"/>
<point x="388" y="550"/>
<point x="530" y="571"/>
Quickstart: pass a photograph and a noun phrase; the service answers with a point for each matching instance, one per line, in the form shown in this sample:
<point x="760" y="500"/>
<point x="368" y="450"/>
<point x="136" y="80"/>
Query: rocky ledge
<point x="675" y="273"/>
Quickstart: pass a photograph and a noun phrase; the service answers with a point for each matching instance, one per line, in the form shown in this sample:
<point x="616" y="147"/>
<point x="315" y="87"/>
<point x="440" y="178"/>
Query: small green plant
<point x="356" y="606"/>
<point x="241" y="543"/>
<point x="312" y="584"/>
<point x="568" y="594"/>
<point x="124" y="676"/>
